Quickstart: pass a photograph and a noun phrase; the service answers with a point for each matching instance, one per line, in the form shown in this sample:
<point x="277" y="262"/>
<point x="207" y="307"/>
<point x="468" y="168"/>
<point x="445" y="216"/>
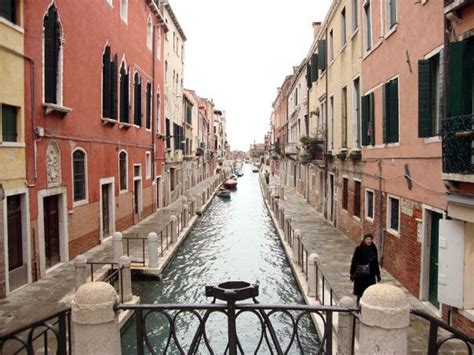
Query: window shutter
<point x="393" y="107"/>
<point x="393" y="12"/>
<point x="127" y="96"/>
<point x="424" y="99"/>
<point x="322" y="54"/>
<point x="139" y="101"/>
<point x="365" y="119"/>
<point x="372" y="118"/>
<point x="148" y="106"/>
<point x="386" y="112"/>
<point x="51" y="53"/>
<point x="456" y="78"/>
<point x="106" y="83"/>
<point x="314" y="67"/>
<point x="308" y="76"/>
<point x="168" y="138"/>
<point x="113" y="88"/>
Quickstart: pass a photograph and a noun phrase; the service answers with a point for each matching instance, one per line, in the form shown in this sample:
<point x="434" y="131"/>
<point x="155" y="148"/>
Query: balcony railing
<point x="455" y="5"/>
<point x="458" y="144"/>
<point x="291" y="149"/>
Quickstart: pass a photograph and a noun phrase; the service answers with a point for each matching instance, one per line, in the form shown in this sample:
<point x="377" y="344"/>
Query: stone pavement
<point x="48" y="295"/>
<point x="335" y="253"/>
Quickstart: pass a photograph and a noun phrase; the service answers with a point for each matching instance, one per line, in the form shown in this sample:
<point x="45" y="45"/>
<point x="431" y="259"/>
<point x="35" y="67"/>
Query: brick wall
<point x="83" y="220"/>
<point x="83" y="243"/>
<point x="458" y="321"/>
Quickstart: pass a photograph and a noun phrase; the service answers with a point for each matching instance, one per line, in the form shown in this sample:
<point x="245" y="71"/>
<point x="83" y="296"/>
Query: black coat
<point x="363" y="255"/>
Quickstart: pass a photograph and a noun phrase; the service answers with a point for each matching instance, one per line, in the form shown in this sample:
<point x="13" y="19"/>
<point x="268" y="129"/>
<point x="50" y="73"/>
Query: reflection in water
<point x="234" y="240"/>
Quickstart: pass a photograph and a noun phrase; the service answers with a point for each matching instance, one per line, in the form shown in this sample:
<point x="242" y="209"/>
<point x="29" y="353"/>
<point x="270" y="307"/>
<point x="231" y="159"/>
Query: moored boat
<point x="223" y="193"/>
<point x="230" y="184"/>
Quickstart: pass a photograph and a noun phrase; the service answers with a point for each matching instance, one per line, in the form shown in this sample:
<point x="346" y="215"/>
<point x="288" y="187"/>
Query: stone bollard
<point x="199" y="205"/>
<point x="80" y="270"/>
<point x="95" y="326"/>
<point x="185" y="216"/>
<point x="126" y="275"/>
<point x="174" y="228"/>
<point x="296" y="244"/>
<point x="117" y="246"/>
<point x="193" y="207"/>
<point x="384" y="320"/>
<point x="344" y="328"/>
<point x="153" y="250"/>
<point x="204" y="197"/>
<point x="313" y="261"/>
<point x="286" y="230"/>
<point x="281" y="216"/>
<point x="281" y="193"/>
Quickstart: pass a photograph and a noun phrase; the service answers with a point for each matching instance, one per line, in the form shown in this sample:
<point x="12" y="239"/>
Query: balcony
<point x="173" y="156"/>
<point x="458" y="146"/>
<point x="291" y="149"/>
<point x="455" y="5"/>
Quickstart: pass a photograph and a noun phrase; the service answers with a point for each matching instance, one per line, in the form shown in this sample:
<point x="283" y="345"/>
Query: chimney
<point x="316" y="28"/>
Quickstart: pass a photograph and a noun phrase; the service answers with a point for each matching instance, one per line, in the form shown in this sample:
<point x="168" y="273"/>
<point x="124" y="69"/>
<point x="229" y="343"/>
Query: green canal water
<point x="234" y="240"/>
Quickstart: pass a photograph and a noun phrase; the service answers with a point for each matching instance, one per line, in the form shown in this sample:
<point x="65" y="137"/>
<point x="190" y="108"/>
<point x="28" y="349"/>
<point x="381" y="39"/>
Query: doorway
<point x="294" y="175"/>
<point x="331" y="198"/>
<point x="434" y="257"/>
<point x="17" y="267"/>
<point x="51" y="230"/>
<point x="158" y="193"/>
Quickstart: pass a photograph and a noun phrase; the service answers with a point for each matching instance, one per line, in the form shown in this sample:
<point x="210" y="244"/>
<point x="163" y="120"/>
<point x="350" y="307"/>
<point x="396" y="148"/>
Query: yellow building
<point x="15" y="267"/>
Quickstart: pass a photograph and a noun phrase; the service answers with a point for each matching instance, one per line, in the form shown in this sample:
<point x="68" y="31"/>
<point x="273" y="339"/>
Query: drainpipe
<point x="32" y="114"/>
<point x="153" y="118"/>
<point x="326" y="165"/>
<point x="380" y="219"/>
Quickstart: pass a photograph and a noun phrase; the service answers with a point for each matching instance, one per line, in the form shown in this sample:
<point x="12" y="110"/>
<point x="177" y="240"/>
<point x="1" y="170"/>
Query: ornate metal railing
<point x="279" y="329"/>
<point x="458" y="148"/>
<point x="435" y="342"/>
<point x="51" y="335"/>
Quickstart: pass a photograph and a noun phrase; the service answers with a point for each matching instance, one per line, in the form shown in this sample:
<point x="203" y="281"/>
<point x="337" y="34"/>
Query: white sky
<point x="239" y="52"/>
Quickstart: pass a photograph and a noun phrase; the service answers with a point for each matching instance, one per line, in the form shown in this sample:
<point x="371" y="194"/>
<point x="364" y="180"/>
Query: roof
<point x="175" y="20"/>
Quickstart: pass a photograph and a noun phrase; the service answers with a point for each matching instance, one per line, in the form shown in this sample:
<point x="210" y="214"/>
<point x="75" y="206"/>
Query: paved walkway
<point x="50" y="294"/>
<point x="335" y="253"/>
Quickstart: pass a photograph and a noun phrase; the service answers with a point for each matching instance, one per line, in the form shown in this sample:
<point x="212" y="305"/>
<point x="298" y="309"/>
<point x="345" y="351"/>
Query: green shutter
<point x="393" y="109"/>
<point x="456" y="79"/>
<point x="322" y="54"/>
<point x="106" y="72"/>
<point x="365" y="119"/>
<point x="308" y="76"/>
<point x="314" y="67"/>
<point x="425" y="81"/>
<point x="9" y="123"/>
<point x="386" y="111"/>
<point x="393" y="13"/>
<point x="372" y="118"/>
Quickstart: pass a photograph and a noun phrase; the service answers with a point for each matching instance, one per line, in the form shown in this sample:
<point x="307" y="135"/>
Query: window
<point x="149" y="33"/>
<point x="357" y="198"/>
<point x="369" y="204"/>
<point x="52" y="50"/>
<point x="314" y="67"/>
<point x="9" y="123"/>
<point x="166" y="71"/>
<point x="178" y="136"/>
<point x="344" y="116"/>
<point x="429" y="105"/>
<point x="182" y="53"/>
<point x="168" y="133"/>
<point x="345" y="193"/>
<point x="390" y="14"/>
<point x="109" y="85"/>
<point x="124" y="10"/>
<point x="124" y="94"/>
<point x="343" y="27"/>
<point x="158" y="116"/>
<point x="296" y="97"/>
<point x="355" y="15"/>
<point x="393" y="214"/>
<point x="79" y="175"/>
<point x="368" y="120"/>
<point x="137" y="103"/>
<point x="331" y="117"/>
<point x="137" y="170"/>
<point x="148" y="165"/>
<point x="174" y="82"/>
<point x="189" y="113"/>
<point x="390" y="111"/>
<point x="331" y="46"/>
<point x="8" y="10"/>
<point x="322" y="54"/>
<point x="172" y="179"/>
<point x="368" y="26"/>
<point x="123" y="170"/>
<point x="356" y="113"/>
<point x="174" y="41"/>
<point x="148" y="106"/>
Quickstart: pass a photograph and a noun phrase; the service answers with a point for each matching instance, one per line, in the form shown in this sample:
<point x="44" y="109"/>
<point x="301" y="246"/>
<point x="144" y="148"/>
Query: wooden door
<point x="136" y="185"/>
<point x="158" y="193"/>
<point x="51" y="230"/>
<point x="105" y="210"/>
<point x="15" y="234"/>
<point x="434" y="239"/>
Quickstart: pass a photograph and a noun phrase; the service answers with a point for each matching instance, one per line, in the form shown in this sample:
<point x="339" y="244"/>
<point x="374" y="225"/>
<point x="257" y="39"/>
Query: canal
<point x="235" y="239"/>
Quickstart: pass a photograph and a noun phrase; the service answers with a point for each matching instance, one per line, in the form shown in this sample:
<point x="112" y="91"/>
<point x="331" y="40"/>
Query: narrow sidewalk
<point x="47" y="296"/>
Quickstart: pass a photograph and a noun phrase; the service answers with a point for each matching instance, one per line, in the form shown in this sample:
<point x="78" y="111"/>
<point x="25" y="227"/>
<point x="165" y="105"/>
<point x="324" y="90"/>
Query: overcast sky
<point x="239" y="52"/>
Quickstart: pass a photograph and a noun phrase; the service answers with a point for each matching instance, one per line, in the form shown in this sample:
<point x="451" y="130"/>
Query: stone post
<point x="126" y="281"/>
<point x="80" y="270"/>
<point x="185" y="216"/>
<point x="384" y="320"/>
<point x="117" y="246"/>
<point x="199" y="205"/>
<point x="296" y="243"/>
<point x="95" y="326"/>
<point x="281" y="216"/>
<point x="193" y="207"/>
<point x="153" y="250"/>
<point x="174" y="228"/>
<point x="344" y="328"/>
<point x="204" y="196"/>
<point x="281" y="193"/>
<point x="313" y="261"/>
<point x="286" y="230"/>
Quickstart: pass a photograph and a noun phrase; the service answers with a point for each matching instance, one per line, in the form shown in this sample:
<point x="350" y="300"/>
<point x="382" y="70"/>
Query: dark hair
<point x="367" y="235"/>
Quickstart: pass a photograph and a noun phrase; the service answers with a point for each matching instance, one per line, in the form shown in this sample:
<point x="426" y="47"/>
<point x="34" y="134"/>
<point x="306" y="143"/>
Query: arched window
<point x="149" y="33"/>
<point x="124" y="10"/>
<point x="109" y="85"/>
<point x="52" y="51"/>
<point x="148" y="106"/>
<point x="79" y="175"/>
<point x="123" y="171"/>
<point x="137" y="113"/>
<point x="158" y="104"/>
<point x="124" y="93"/>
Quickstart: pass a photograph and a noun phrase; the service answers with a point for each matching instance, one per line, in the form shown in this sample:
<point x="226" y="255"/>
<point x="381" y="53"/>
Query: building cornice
<point x="175" y="20"/>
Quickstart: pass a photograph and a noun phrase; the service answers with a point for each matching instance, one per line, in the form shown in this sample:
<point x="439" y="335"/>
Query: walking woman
<point x="365" y="265"/>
